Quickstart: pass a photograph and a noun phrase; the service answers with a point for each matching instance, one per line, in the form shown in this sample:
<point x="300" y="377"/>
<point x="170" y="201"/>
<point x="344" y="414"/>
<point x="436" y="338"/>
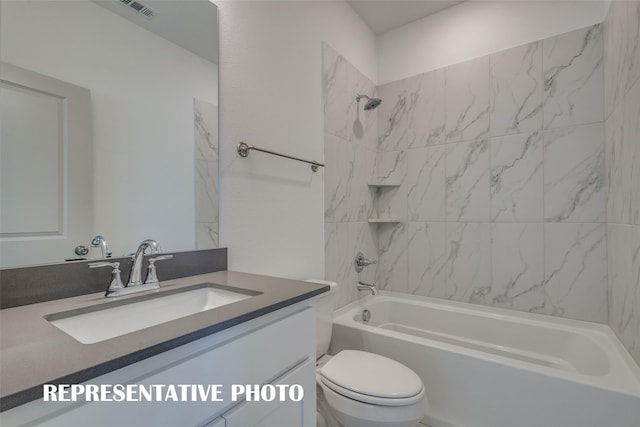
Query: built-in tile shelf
<point x="383" y="184"/>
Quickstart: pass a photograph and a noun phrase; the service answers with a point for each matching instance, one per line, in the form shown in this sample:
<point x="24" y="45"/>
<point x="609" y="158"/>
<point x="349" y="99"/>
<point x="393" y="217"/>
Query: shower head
<point x="371" y="104"/>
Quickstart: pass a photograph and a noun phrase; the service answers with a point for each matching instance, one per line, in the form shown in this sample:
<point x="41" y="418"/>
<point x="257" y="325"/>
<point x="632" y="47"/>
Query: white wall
<point x="271" y="93"/>
<point x="477" y="28"/>
<point x="142" y="132"/>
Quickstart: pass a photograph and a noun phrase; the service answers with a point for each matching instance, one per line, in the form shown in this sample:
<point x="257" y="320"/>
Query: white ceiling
<point x="385" y="15"/>
<point x="191" y="24"/>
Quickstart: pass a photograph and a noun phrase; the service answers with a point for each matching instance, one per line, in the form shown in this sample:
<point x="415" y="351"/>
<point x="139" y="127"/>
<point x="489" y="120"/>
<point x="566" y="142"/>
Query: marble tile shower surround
<point x="621" y="51"/>
<point x="467" y="100"/>
<point x="516" y="90"/>
<point x="622" y="110"/>
<point x="517" y="178"/>
<point x="573" y="85"/>
<point x="206" y="174"/>
<point x="497" y="206"/>
<point x="512" y="188"/>
<point x="502" y="196"/>
<point x="351" y="139"/>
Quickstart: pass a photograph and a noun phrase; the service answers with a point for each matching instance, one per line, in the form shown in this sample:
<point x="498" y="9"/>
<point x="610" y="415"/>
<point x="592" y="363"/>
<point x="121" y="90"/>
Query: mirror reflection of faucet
<point x="82" y="251"/>
<point x="99" y="241"/>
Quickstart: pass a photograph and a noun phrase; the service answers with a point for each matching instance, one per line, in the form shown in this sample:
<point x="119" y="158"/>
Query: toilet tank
<point x="323" y="305"/>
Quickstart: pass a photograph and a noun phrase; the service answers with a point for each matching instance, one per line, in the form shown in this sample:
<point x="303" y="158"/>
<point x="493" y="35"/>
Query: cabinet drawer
<point x="276" y="413"/>
<point x="256" y="355"/>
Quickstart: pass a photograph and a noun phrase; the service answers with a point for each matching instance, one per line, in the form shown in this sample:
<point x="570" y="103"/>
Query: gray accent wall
<point x="40" y="283"/>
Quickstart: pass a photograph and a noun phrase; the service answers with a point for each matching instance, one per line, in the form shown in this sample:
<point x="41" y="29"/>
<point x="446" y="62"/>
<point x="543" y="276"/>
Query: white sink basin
<point x="103" y="323"/>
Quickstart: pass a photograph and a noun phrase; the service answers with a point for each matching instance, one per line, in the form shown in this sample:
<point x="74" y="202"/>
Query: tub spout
<point x="367" y="287"/>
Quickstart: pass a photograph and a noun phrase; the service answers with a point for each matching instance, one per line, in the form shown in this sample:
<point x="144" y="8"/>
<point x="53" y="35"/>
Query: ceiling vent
<point x="139" y="8"/>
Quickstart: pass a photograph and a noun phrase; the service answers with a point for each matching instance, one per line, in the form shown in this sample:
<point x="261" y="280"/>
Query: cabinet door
<point x="276" y="413"/>
<point x="273" y="345"/>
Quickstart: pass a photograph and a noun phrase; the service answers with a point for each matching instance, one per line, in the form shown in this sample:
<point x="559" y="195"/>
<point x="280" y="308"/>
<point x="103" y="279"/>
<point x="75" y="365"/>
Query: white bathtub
<point x="487" y="367"/>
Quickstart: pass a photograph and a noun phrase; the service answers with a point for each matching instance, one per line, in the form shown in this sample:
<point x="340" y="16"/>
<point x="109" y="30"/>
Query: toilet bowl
<point x="364" y="389"/>
<point x="368" y="390"/>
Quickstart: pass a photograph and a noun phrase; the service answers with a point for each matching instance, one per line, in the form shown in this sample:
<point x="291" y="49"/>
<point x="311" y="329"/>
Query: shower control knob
<point x="361" y="262"/>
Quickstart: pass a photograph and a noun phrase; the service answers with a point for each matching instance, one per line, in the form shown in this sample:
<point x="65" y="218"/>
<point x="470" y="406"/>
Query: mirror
<point x="150" y="70"/>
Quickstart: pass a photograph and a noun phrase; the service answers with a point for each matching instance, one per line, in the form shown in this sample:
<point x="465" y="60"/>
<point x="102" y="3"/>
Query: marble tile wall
<point x="501" y="169"/>
<point x="622" y="112"/>
<point x="351" y="139"/>
<point x="206" y="174"/>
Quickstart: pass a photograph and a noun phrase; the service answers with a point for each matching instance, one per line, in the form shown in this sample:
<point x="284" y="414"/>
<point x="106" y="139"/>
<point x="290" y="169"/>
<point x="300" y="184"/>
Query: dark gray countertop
<point x="33" y="352"/>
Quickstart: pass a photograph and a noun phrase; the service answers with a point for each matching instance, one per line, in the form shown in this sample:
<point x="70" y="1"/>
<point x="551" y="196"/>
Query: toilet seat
<point x="349" y="373"/>
<point x="373" y="400"/>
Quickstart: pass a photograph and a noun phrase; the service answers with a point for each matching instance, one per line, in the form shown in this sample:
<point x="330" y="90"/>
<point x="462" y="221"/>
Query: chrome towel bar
<point x="243" y="151"/>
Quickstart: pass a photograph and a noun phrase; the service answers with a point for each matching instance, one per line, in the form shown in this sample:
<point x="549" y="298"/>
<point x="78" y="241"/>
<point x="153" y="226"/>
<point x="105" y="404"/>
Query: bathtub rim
<point x="622" y="364"/>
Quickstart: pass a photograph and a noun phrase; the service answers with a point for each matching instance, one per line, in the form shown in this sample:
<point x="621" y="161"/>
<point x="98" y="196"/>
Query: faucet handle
<point x="151" y="268"/>
<point x="361" y="262"/>
<point x="105" y="264"/>
<point x="116" y="282"/>
<point x="161" y="257"/>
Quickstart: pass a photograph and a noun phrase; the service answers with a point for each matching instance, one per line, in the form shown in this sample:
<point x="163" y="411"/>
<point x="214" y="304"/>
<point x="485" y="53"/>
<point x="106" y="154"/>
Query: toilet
<point x="364" y="389"/>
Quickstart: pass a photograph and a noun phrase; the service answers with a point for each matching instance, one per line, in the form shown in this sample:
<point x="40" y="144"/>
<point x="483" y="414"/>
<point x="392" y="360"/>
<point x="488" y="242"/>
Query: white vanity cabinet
<point x="276" y="413"/>
<point x="277" y="348"/>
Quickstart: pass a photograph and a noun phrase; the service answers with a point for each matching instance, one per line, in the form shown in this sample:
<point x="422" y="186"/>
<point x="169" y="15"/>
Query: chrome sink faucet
<point x="135" y="276"/>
